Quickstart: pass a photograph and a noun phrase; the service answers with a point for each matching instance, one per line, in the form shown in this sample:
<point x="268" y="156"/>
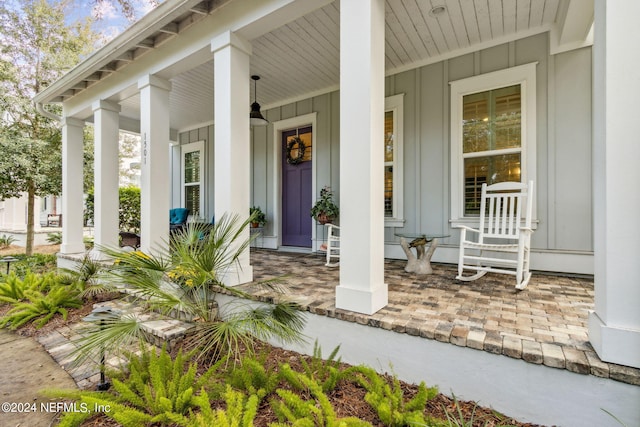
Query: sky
<point x="110" y="20"/>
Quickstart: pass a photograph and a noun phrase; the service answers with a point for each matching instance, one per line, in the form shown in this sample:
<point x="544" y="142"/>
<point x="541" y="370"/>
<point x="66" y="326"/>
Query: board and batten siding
<point x="563" y="240"/>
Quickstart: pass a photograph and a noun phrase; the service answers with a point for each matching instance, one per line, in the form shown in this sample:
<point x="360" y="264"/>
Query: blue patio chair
<point x="178" y="218"/>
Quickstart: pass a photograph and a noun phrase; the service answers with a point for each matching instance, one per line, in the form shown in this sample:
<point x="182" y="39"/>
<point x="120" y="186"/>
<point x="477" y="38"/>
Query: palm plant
<point x="88" y="274"/>
<point x="186" y="279"/>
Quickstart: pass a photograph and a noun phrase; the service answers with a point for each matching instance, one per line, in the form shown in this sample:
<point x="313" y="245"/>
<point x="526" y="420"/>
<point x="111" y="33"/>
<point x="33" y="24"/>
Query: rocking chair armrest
<point x="467" y="228"/>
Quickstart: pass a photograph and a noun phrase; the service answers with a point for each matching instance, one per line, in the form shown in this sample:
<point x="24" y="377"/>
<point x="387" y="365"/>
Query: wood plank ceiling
<point x="302" y="56"/>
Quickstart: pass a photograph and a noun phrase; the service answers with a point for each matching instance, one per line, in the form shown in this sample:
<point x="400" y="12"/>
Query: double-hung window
<point x="492" y="134"/>
<point x="192" y="178"/>
<point x="393" y="141"/>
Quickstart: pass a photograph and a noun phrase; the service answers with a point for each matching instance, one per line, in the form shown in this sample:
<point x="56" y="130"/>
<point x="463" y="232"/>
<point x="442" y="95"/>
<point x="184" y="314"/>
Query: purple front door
<point x="296" y="187"/>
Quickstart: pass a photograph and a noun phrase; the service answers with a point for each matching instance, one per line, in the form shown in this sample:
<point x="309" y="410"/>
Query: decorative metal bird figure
<point x="419" y="241"/>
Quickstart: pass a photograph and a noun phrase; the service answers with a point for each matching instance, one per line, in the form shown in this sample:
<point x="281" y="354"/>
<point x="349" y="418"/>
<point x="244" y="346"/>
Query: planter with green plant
<point x="325" y="210"/>
<point x="257" y="217"/>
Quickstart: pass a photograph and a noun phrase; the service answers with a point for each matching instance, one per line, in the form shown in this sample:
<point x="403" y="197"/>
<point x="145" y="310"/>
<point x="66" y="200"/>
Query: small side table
<point x="255" y="233"/>
<point x="425" y="245"/>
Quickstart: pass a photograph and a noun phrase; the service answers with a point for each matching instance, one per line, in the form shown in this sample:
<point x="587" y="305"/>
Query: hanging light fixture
<point x="255" y="117"/>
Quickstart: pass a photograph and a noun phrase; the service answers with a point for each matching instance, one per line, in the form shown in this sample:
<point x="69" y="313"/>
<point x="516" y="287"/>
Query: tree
<point x="129" y="161"/>
<point x="37" y="47"/>
<point x="127" y="7"/>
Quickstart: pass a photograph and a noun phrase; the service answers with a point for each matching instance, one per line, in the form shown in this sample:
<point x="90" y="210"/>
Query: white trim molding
<point x="395" y="103"/>
<point x="190" y="148"/>
<point x="525" y="76"/>
<point x="279" y="127"/>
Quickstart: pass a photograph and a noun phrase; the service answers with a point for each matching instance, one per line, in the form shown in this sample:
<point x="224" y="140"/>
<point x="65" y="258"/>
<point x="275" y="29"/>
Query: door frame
<point x="278" y="128"/>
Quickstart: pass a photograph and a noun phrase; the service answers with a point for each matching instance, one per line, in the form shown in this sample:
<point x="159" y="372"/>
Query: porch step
<point x="135" y="296"/>
<point x="160" y="329"/>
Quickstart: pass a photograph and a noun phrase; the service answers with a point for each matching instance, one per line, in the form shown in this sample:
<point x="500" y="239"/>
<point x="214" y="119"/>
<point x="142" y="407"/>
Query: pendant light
<point x="255" y="117"/>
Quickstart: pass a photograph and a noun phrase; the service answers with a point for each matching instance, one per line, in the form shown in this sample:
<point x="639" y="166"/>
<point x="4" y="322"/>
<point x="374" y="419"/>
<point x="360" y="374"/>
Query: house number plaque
<point x="144" y="148"/>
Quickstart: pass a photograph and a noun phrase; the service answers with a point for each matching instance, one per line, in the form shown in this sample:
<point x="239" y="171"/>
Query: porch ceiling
<point x="301" y="57"/>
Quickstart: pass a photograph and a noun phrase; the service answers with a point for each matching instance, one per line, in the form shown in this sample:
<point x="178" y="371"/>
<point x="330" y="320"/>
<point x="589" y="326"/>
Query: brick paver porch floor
<point x="544" y="324"/>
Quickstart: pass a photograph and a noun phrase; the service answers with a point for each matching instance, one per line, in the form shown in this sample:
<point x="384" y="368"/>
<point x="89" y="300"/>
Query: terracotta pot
<point x="255" y="224"/>
<point x="323" y="218"/>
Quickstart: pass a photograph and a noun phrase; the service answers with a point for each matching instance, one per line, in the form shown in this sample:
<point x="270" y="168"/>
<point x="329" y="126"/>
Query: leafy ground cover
<point x="284" y="382"/>
<point x="298" y="385"/>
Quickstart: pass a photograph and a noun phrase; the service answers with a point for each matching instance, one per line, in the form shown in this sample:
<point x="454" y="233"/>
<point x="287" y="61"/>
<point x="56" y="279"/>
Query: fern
<point x="12" y="289"/>
<point x="158" y="389"/>
<point x="314" y="412"/>
<point x="240" y="411"/>
<point x="251" y="375"/>
<point x="388" y="400"/>
<point x="41" y="307"/>
<point x="328" y="372"/>
<point x="37" y="296"/>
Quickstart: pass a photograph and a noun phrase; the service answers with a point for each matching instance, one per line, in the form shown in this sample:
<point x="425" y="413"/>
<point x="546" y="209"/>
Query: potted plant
<point x="257" y="217"/>
<point x="325" y="210"/>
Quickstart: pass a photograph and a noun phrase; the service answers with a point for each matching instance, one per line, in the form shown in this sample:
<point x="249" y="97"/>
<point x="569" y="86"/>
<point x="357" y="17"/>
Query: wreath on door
<point x="295" y="143"/>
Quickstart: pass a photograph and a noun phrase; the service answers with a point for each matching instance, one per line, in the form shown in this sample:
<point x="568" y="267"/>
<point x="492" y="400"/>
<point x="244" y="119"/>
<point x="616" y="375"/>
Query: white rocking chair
<point x="505" y="228"/>
<point x="333" y="245"/>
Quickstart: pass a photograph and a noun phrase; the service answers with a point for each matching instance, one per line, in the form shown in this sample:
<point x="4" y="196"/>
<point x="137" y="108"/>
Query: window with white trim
<point x="393" y="175"/>
<point x="192" y="181"/>
<point x="493" y="134"/>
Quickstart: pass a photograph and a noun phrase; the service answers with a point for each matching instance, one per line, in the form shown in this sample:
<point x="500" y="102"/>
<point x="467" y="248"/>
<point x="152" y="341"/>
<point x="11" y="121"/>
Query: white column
<point x="72" y="191"/>
<point x="17" y="208"/>
<point x="155" y="174"/>
<point x="231" y="138"/>
<point x="614" y="325"/>
<point x="106" y="202"/>
<point x="362" y="288"/>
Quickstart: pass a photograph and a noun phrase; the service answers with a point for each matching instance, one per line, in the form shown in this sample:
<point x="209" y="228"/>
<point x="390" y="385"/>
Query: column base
<point x="97" y="255"/>
<point x="614" y="344"/>
<point x="235" y="276"/>
<point x="362" y="301"/>
<point x="72" y="248"/>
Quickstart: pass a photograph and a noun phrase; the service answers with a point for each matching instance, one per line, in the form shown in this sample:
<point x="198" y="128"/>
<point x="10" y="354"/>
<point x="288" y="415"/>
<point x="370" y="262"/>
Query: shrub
<point x="188" y="279"/>
<point x="13" y="289"/>
<point x="40" y="307"/>
<point x="388" y="400"/>
<point x="240" y="411"/>
<point x="326" y="372"/>
<point x="252" y="376"/>
<point x="89" y="207"/>
<point x="158" y="389"/>
<point x="36" y="263"/>
<point x="86" y="274"/>
<point x="316" y="411"/>
<point x="54" y="238"/>
<point x="128" y="212"/>
<point x="6" y="241"/>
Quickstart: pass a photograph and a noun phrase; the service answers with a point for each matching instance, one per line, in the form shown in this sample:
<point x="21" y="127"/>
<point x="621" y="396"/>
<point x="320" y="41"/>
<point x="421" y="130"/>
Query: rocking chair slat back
<point x="501" y="210"/>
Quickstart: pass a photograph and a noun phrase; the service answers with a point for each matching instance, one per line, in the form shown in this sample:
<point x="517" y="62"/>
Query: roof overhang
<point x="154" y="29"/>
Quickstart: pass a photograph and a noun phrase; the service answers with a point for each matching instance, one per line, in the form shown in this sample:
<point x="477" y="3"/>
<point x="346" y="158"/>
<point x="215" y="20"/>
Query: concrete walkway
<point x="25" y="369"/>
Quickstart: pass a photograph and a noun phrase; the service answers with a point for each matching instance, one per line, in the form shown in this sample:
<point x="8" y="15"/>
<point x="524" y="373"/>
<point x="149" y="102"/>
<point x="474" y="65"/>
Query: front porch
<point x="544" y="324"/>
<point x="535" y="361"/>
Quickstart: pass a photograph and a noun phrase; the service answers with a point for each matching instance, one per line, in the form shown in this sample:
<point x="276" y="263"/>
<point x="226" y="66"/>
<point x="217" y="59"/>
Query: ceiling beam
<point x="171" y="28"/>
<point x="201" y="8"/>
